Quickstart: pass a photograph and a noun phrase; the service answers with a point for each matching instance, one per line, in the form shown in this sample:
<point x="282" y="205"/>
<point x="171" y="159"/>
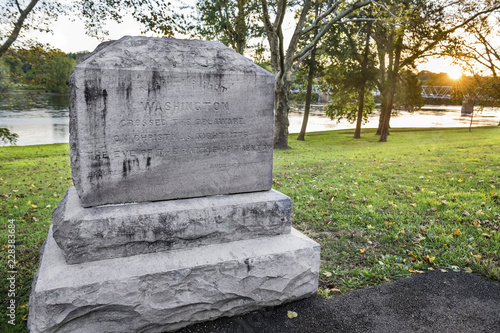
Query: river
<point x="41" y="118"/>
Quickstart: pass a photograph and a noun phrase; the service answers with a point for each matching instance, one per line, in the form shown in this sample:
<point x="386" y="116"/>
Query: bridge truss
<point x="441" y="92"/>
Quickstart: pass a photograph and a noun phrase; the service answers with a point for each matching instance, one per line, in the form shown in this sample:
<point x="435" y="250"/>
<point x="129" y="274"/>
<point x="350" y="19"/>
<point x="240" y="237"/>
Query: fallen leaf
<point x="444" y="270"/>
<point x="327" y="274"/>
<point x="292" y="314"/>
<point x="362" y="250"/>
<point x="468" y="270"/>
<point x="466" y="213"/>
<point x="486" y="235"/>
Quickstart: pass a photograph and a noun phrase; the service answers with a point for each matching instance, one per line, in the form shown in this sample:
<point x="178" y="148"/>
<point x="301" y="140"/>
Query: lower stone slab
<point x="113" y="231"/>
<point x="161" y="292"/>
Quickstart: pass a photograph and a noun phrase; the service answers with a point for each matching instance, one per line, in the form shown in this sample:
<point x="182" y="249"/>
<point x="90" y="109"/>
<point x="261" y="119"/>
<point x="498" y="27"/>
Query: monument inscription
<point x="167" y="130"/>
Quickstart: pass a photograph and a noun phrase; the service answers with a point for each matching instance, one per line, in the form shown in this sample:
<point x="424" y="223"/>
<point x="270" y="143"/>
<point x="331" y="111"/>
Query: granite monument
<point x="172" y="219"/>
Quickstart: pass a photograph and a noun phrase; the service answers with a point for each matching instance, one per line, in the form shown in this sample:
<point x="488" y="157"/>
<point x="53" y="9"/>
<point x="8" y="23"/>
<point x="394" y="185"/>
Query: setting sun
<point x="454" y="72"/>
<point x="441" y="65"/>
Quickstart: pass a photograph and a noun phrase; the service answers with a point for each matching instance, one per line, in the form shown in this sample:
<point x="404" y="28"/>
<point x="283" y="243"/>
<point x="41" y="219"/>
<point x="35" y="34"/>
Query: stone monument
<point x="172" y="219"/>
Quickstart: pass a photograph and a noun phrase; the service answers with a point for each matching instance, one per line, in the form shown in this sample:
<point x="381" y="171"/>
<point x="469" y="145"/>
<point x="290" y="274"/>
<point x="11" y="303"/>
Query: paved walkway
<point x="431" y="302"/>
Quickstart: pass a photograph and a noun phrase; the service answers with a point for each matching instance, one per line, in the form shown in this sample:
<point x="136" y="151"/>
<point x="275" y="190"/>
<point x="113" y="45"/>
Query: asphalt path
<point x="454" y="302"/>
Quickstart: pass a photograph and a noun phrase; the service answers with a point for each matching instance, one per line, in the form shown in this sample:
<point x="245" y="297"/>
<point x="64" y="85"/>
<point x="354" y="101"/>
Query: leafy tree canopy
<point x="232" y="22"/>
<point x="17" y="17"/>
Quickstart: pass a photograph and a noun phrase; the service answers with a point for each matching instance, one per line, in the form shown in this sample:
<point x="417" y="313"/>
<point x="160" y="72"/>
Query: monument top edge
<point x="169" y="54"/>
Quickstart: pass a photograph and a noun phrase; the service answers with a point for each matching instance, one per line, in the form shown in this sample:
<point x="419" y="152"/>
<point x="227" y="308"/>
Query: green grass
<point x="427" y="199"/>
<point x="33" y="180"/>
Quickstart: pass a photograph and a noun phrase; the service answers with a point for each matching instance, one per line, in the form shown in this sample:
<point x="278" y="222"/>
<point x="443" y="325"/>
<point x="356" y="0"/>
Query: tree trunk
<point x="240" y="27"/>
<point x="382" y="113"/>
<point x="362" y="88"/>
<point x="281" y="95"/>
<point x="386" y="119"/>
<point x="361" y="106"/>
<point x="393" y="75"/>
<point x="307" y="108"/>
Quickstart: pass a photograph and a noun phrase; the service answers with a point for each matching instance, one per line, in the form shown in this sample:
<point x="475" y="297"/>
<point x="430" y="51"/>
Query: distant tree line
<point x="38" y="67"/>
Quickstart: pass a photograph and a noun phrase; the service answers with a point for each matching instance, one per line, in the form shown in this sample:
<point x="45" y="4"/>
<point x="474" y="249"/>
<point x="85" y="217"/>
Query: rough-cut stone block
<point x="96" y="233"/>
<point x="168" y="290"/>
<point x="154" y="119"/>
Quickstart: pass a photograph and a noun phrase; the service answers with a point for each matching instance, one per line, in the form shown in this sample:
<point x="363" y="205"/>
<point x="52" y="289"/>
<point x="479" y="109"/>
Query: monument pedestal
<point x="164" y="291"/>
<point x="112" y="231"/>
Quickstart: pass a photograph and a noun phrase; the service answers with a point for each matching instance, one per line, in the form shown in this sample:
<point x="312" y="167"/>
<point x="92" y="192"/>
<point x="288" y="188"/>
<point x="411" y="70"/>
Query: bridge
<point x="439" y="92"/>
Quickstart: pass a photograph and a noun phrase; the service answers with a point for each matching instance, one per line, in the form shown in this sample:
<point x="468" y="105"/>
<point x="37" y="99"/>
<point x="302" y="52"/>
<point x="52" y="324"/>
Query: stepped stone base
<point x="105" y="232"/>
<point x="165" y="291"/>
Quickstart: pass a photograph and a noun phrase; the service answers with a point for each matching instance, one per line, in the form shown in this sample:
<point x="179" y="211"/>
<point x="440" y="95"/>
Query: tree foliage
<point x="4" y="78"/>
<point x="232" y="22"/>
<point x="351" y="74"/>
<point x="285" y="59"/>
<point x="408" y="91"/>
<point x="415" y="30"/>
<point x="40" y="67"/>
<point x="56" y="70"/>
<point x="7" y="137"/>
<point x="18" y="16"/>
<point x="344" y="105"/>
<point x="477" y="51"/>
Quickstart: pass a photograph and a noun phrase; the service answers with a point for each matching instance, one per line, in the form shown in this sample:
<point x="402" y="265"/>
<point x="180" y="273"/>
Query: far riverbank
<point x="41" y="118"/>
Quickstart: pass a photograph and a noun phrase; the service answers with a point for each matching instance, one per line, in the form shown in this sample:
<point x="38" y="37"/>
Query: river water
<point x="40" y="118"/>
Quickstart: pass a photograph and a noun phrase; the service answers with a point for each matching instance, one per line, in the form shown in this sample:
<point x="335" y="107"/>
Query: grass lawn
<point x="425" y="200"/>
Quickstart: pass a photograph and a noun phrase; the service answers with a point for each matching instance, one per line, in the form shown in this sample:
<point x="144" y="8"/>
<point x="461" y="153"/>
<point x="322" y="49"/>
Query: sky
<point x="69" y="36"/>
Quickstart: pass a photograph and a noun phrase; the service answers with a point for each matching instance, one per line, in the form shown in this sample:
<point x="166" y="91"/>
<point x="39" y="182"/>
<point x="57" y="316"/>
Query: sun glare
<point x="454" y="72"/>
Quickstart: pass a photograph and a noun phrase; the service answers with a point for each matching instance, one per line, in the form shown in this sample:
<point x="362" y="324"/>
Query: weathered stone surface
<point x="168" y="290"/>
<point x="154" y="119"/>
<point x="96" y="233"/>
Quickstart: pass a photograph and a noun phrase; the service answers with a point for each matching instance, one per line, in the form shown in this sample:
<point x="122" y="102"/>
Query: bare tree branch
<point x="336" y="19"/>
<point x="17" y="26"/>
<point x="318" y="21"/>
<point x="19" y="7"/>
<point x="297" y="64"/>
<point x="280" y="15"/>
<point x="298" y="30"/>
<point x="381" y="5"/>
<point x="430" y="46"/>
